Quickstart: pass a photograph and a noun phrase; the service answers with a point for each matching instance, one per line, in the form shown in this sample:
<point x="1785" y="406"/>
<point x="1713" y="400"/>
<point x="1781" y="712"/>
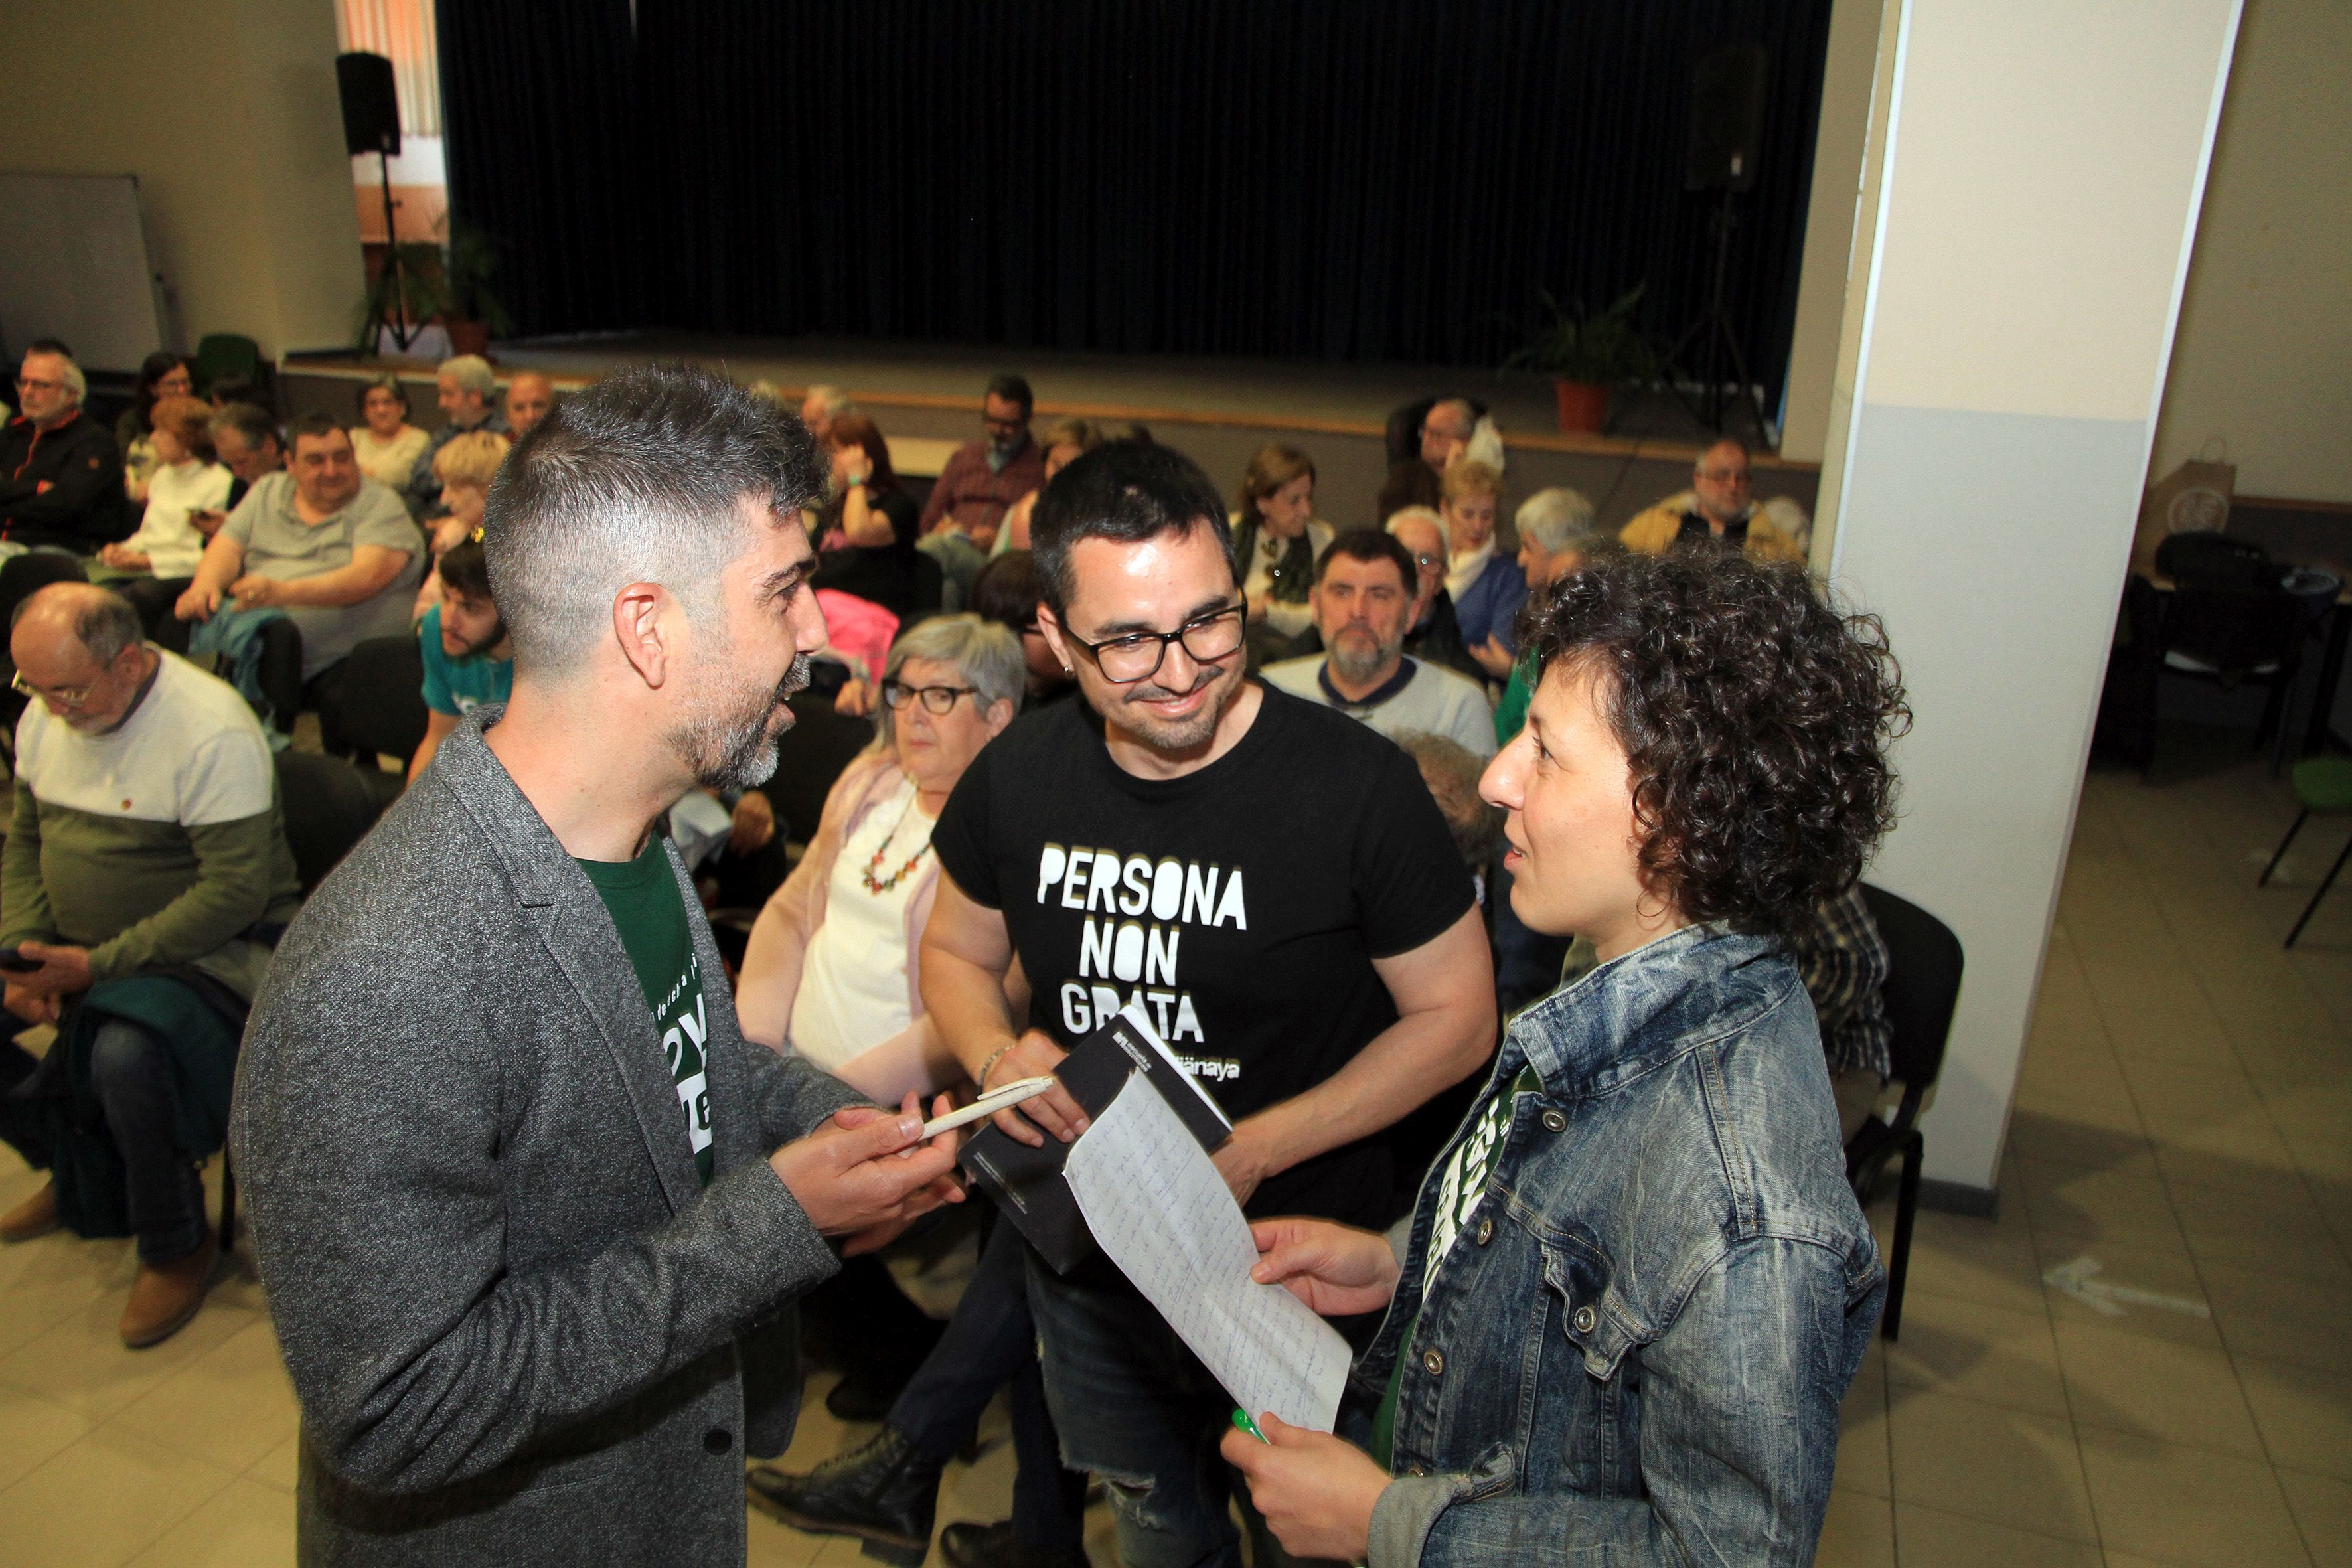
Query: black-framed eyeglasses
<point x="1137" y="655"/>
<point x="1429" y="563"/>
<point x="936" y="698"/>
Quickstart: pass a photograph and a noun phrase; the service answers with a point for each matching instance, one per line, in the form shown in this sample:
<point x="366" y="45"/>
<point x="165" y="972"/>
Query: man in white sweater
<point x="1363" y="602"/>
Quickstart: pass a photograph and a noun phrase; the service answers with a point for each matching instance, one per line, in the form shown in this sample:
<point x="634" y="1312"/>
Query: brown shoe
<point x="166" y="1295"/>
<point x="37" y="1216"/>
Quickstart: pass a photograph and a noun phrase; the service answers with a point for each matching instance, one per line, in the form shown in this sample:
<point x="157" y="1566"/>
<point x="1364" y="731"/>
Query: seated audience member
<point x="1125" y="430"/>
<point x="1844" y="962"/>
<point x="1451" y="772"/>
<point x="1445" y="433"/>
<point x="831" y="970"/>
<point x="386" y="445"/>
<point x="1065" y="441"/>
<point x="1008" y="591"/>
<point x="1718" y="508"/>
<point x="247" y="441"/>
<point x="465" y="386"/>
<point x="984" y="478"/>
<point x="1723" y="1285"/>
<point x="866" y="535"/>
<point x="146" y="874"/>
<point x="1487" y="586"/>
<point x="821" y="406"/>
<point x="1362" y="600"/>
<point x="1276" y="542"/>
<point x="161" y="374"/>
<point x="161" y="558"/>
<point x="1436" y="634"/>
<point x="60" y="472"/>
<point x="333" y="551"/>
<point x="530" y="397"/>
<point x="465" y="467"/>
<point x="1557" y="535"/>
<point x="462" y="640"/>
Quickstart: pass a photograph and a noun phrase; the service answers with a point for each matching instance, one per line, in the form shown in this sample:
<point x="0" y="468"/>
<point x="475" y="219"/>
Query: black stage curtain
<point x="539" y="116"/>
<point x="1318" y="179"/>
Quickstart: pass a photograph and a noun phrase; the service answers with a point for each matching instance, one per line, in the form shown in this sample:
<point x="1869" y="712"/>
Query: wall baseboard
<point x="1959" y="1197"/>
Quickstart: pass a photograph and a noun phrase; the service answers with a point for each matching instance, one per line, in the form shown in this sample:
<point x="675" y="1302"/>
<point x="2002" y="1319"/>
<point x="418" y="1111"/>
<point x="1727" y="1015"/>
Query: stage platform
<point x="1217" y="411"/>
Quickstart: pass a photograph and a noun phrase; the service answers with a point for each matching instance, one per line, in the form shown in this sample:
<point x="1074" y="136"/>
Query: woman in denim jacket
<point x="1624" y="1314"/>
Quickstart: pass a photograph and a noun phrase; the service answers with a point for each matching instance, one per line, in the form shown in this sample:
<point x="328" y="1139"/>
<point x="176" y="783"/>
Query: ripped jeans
<point x="1136" y="1407"/>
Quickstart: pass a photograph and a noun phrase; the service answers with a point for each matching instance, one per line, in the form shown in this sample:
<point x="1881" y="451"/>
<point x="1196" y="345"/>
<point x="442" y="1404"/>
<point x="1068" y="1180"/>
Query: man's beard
<point x="466" y="650"/>
<point x="1174" y="737"/>
<point x="1349" y="657"/>
<point x="735" y="747"/>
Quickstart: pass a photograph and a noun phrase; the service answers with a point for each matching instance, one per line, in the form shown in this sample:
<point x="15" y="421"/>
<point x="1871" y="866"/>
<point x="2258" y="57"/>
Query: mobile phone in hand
<point x="14" y="962"/>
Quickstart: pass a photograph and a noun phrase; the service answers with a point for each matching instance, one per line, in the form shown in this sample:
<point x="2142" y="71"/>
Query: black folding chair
<point x="380" y="708"/>
<point x="329" y="808"/>
<point x="1922" y="985"/>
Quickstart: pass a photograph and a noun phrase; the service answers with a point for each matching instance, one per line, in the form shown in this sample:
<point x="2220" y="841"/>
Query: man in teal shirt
<point x="469" y="657"/>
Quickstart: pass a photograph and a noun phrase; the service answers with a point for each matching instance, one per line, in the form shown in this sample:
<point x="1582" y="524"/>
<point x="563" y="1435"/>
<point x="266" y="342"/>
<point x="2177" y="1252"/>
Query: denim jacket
<point x="1636" y="1349"/>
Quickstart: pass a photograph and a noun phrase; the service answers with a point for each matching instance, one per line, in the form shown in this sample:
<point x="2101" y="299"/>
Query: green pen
<point x="1242" y="1423"/>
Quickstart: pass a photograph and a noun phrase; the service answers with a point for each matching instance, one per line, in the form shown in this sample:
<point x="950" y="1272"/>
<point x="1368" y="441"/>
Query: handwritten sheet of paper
<point x="1159" y="1207"/>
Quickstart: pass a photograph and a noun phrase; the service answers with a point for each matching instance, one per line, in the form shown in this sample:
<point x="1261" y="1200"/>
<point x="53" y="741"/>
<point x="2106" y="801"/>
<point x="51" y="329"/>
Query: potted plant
<point x="473" y="314"/>
<point x="1586" y="354"/>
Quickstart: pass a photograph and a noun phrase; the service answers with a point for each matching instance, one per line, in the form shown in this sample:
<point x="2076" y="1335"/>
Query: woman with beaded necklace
<point x="831" y="968"/>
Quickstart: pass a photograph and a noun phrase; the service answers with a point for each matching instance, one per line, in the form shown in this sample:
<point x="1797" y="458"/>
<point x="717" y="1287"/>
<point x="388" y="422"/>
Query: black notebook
<point x="1027" y="1183"/>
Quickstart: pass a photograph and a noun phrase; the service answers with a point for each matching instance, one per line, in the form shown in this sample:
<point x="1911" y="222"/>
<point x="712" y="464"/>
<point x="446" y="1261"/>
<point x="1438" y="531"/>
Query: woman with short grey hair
<point x="831" y="969"/>
<point x="1559" y="532"/>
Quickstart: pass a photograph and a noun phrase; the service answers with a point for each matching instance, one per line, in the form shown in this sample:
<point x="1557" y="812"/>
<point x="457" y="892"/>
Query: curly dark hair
<point x="1754" y="714"/>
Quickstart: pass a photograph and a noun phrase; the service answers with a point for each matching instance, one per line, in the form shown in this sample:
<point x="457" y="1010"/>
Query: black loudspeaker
<point x="1727" y="123"/>
<point x="371" y="109"/>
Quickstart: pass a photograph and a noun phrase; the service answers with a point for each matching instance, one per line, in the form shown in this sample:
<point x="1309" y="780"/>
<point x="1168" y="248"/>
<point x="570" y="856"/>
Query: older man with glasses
<point x="1309" y="947"/>
<point x="145" y="877"/>
<point x="60" y="471"/>
<point x="1720" y="510"/>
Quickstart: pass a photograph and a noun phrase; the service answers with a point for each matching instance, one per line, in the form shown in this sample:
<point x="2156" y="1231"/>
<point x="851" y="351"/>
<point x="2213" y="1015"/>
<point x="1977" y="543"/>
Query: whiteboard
<point x="74" y="265"/>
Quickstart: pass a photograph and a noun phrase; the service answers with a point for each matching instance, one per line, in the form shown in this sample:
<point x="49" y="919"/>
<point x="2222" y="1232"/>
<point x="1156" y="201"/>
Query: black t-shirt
<point x="885" y="574"/>
<point x="1245" y="902"/>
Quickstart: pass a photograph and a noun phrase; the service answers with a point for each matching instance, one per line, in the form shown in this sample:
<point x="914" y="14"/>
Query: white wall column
<point x="2042" y="167"/>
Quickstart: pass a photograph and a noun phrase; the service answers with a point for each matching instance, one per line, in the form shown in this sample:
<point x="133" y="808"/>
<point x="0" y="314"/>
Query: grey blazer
<point x="519" y="1330"/>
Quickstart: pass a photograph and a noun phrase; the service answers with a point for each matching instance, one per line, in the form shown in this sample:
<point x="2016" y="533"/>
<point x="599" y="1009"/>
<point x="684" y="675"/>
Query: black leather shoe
<point x="966" y="1545"/>
<point x="883" y="1492"/>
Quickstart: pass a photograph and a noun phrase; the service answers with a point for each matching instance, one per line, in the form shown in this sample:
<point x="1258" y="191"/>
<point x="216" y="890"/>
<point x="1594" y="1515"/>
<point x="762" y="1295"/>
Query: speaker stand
<point x="388" y="300"/>
<point x="1714" y="335"/>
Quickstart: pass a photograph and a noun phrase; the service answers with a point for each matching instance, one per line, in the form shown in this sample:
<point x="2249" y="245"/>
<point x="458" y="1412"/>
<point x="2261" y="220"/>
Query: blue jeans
<point x="1136" y="1406"/>
<point x="990" y="1340"/>
<point x="131" y="1076"/>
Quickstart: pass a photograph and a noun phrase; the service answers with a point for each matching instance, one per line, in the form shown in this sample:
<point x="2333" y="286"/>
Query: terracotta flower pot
<point x="474" y="338"/>
<point x="1582" y="407"/>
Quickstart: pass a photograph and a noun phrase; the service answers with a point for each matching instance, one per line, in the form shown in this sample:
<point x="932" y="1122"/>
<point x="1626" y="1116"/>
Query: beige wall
<point x="226" y="112"/>
<point x="2266" y="328"/>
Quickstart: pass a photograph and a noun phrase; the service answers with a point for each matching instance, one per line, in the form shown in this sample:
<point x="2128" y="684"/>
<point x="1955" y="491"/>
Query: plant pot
<point x="1583" y="406"/>
<point x="474" y="338"/>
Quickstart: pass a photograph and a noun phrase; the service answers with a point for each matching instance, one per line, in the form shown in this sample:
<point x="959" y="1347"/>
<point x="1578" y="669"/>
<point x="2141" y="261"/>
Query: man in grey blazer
<point x="531" y="1213"/>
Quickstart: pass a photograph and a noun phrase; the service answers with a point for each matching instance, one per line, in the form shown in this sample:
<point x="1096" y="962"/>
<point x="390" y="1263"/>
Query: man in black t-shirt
<point x="1269" y="876"/>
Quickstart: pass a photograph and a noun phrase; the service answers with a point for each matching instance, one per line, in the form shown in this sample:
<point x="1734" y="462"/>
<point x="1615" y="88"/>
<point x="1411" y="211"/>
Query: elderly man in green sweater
<point x="144" y="880"/>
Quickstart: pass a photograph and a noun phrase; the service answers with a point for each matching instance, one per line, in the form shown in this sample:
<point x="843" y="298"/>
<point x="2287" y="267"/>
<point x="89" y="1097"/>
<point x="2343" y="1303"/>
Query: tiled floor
<point x="2180" y="1161"/>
